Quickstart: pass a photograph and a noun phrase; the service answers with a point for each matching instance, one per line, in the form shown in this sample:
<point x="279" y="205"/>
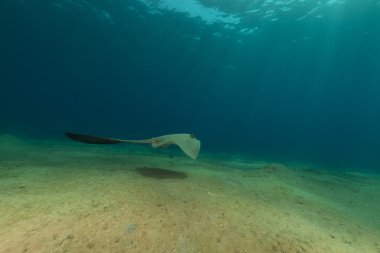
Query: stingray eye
<point x="192" y="135"/>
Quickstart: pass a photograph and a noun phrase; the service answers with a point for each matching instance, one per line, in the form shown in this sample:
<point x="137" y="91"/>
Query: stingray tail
<point x="91" y="139"/>
<point x="101" y="140"/>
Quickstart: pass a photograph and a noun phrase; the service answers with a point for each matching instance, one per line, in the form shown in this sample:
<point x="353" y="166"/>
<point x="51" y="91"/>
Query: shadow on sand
<point x="159" y="173"/>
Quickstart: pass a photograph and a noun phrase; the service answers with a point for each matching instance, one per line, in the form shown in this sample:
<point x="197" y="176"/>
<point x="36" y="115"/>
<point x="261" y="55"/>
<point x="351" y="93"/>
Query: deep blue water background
<point x="302" y="91"/>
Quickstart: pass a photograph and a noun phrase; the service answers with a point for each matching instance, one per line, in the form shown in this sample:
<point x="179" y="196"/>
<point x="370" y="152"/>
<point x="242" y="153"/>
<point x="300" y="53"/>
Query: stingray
<point x="187" y="142"/>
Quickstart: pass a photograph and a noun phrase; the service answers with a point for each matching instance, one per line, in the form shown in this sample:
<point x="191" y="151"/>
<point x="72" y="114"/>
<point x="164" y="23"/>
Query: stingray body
<point x="187" y="142"/>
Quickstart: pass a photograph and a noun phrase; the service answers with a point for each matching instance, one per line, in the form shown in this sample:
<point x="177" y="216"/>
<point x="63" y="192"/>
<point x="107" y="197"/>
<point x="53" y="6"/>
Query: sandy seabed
<point x="58" y="196"/>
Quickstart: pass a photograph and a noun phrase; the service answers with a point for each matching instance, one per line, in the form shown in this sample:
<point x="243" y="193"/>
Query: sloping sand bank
<point x="68" y="197"/>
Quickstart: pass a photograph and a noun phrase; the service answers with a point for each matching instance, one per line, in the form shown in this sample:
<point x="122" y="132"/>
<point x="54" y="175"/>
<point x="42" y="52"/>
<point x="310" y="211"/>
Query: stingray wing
<point x="190" y="147"/>
<point x="187" y="142"/>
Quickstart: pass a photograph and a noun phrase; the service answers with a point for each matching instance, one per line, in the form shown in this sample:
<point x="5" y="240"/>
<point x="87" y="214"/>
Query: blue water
<point x="283" y="80"/>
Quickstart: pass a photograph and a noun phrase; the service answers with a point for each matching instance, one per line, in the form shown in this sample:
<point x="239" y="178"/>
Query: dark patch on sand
<point x="159" y="173"/>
